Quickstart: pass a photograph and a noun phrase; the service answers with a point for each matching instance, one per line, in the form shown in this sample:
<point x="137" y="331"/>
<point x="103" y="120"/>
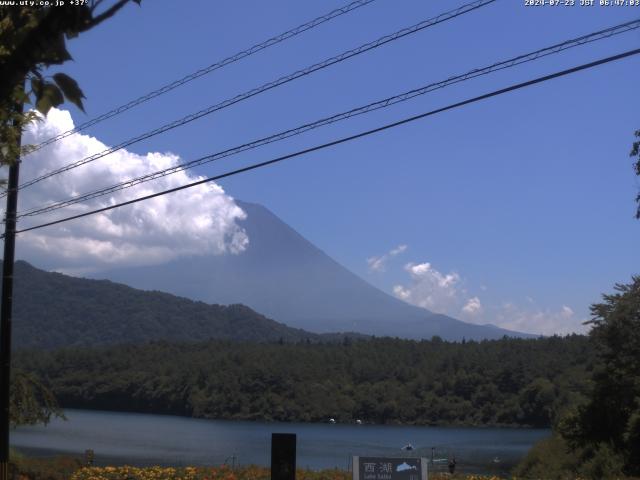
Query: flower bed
<point x="224" y="473"/>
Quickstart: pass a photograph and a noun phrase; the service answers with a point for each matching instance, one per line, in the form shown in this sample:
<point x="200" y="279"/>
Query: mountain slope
<point x="53" y="310"/>
<point x="285" y="277"/>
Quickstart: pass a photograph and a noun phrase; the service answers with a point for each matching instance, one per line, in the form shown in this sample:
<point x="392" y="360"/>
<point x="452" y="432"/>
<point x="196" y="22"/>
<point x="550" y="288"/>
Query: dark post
<point x="5" y="313"/>
<point x="283" y="456"/>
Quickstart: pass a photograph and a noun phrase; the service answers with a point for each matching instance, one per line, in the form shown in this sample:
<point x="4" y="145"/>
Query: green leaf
<point x="51" y="97"/>
<point x="56" y="52"/>
<point x="20" y="95"/>
<point x="70" y="88"/>
<point x="36" y="86"/>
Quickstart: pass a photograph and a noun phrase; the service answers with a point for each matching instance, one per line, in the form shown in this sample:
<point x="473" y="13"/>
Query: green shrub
<point x="56" y="468"/>
<point x="602" y="462"/>
<point x="549" y="459"/>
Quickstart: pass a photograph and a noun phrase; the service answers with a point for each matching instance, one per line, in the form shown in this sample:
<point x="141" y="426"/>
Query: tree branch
<point x="110" y="12"/>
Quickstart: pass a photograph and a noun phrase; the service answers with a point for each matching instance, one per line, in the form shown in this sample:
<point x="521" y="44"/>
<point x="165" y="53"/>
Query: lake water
<point x="144" y="439"/>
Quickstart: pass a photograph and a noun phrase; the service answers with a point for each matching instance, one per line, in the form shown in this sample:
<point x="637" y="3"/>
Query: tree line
<point x="525" y="382"/>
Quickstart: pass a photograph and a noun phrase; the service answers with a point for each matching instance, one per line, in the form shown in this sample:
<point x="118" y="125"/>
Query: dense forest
<point x="382" y="380"/>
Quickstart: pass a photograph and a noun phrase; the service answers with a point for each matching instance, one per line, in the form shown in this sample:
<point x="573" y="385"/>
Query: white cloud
<point x="543" y="321"/>
<point x="378" y="264"/>
<point x="198" y="221"/>
<point x="445" y="293"/>
<point x="472" y="307"/>
<point x="429" y="288"/>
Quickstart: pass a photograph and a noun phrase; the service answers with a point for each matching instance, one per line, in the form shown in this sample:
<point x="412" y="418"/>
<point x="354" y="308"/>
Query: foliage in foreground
<point x="56" y="468"/>
<point x="65" y="468"/>
<point x="33" y="38"/>
<point x="30" y="401"/>
<point x="607" y="426"/>
<point x="243" y="473"/>
<point x="635" y="154"/>
<point x="600" y="438"/>
<point x="224" y="473"/>
<point x="554" y="459"/>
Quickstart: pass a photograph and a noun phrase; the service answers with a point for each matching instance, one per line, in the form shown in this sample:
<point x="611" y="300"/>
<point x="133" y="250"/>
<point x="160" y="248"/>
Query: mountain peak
<point x="284" y="276"/>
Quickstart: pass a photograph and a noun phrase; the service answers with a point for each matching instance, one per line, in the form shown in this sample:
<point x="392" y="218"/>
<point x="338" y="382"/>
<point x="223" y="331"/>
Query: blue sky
<point x="525" y="201"/>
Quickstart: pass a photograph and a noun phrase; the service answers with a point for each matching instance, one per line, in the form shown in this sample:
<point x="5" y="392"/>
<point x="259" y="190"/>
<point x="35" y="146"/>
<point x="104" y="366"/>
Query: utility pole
<point x="5" y="309"/>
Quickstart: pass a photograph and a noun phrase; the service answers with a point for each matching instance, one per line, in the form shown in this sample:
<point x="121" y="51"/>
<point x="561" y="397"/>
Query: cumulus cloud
<point x="429" y="288"/>
<point x="399" y="249"/>
<point x="444" y="293"/>
<point x="198" y="221"/>
<point x="472" y="307"/>
<point x="543" y="321"/>
<point x="378" y="264"/>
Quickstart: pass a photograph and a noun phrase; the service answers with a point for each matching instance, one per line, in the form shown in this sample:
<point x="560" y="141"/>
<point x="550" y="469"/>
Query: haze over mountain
<point x="53" y="310"/>
<point x="285" y="277"/>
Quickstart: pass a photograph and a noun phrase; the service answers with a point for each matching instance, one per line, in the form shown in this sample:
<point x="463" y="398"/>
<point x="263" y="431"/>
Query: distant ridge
<point x="286" y="277"/>
<point x="53" y="310"/>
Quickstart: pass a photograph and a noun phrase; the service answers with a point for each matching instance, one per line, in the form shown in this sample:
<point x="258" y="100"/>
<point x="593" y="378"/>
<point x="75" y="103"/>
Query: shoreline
<point x="516" y="426"/>
<point x="149" y="440"/>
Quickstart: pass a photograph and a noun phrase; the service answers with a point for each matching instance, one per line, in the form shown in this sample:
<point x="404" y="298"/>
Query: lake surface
<point x="144" y="439"/>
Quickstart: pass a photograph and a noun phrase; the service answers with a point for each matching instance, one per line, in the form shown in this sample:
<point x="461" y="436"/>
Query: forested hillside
<point x="500" y="382"/>
<point x="53" y="310"/>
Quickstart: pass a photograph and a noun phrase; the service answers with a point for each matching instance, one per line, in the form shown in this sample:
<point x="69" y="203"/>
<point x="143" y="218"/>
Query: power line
<point x="347" y="139"/>
<point x="206" y="70"/>
<point x="268" y="86"/>
<point x="380" y="104"/>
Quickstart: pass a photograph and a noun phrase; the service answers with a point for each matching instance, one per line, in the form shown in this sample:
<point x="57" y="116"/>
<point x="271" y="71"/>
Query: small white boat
<point x="332" y="420"/>
<point x="408" y="447"/>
